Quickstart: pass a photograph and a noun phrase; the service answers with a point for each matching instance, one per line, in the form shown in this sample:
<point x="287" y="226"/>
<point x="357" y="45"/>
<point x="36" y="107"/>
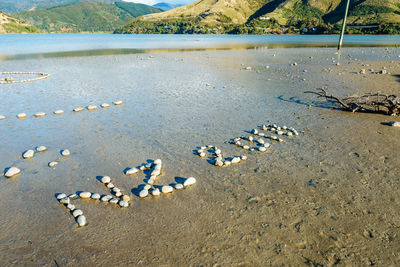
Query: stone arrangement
<point x="60" y="111"/>
<point x="217" y="156"/>
<point x="9" y="80"/>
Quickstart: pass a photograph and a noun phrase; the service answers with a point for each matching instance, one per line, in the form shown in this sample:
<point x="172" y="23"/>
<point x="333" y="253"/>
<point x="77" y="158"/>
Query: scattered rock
<point x="12" y="172"/>
<point x="110" y="185"/>
<point x="167" y="189"/>
<point x="81" y="220"/>
<point x="71" y="207"/>
<point x="65" y="153"/>
<point x="28" y="154"/>
<point x="21" y="116"/>
<point x="85" y="194"/>
<point x="52" y="164"/>
<point x="189" y="181"/>
<point x="78" y="109"/>
<point x="41" y="148"/>
<point x="65" y="200"/>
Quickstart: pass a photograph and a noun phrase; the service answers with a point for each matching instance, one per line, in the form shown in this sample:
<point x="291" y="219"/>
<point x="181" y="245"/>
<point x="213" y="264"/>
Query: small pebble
<point x="78" y="109"/>
<point x="131" y="171"/>
<point x="106" y="198"/>
<point x="262" y="149"/>
<point x="65" y="153"/>
<point x="105" y="105"/>
<point x="58" y="112"/>
<point x="150" y="181"/>
<point x="147" y="187"/>
<point x="77" y="213"/>
<point x="246" y="147"/>
<point x="60" y="196"/>
<point x="21" y="116"/>
<point x="167" y="189"/>
<point x="85" y="194"/>
<point x="202" y="154"/>
<point x="117" y="103"/>
<point x="394" y="123"/>
<point x="40" y="114"/>
<point x="244" y="157"/>
<point x="65" y="200"/>
<point x="123" y="203"/>
<point x="126" y="198"/>
<point x="110" y="185"/>
<point x="155" y="192"/>
<point x="144" y="193"/>
<point x="12" y="172"/>
<point x="178" y="186"/>
<point x="227" y="163"/>
<point x="158" y="161"/>
<point x="219" y="163"/>
<point x="105" y="179"/>
<point x="95" y="196"/>
<point x="235" y="160"/>
<point x="71" y="207"/>
<point x="81" y="220"/>
<point x="118" y="194"/>
<point x="41" y="148"/>
<point x="113" y="201"/>
<point x="254" y="131"/>
<point x="2" y="117"/>
<point x="116" y="189"/>
<point x="28" y="154"/>
<point x="92" y="107"/>
<point x="73" y="196"/>
<point x="189" y="181"/>
<point x="52" y="164"/>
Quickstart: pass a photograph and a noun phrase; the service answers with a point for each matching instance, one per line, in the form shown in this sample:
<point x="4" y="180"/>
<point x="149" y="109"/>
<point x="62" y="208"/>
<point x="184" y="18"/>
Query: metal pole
<point x="343" y="26"/>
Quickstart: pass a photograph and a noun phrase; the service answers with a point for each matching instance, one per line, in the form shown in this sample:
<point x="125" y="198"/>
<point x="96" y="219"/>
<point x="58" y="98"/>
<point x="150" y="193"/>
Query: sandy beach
<point x="329" y="196"/>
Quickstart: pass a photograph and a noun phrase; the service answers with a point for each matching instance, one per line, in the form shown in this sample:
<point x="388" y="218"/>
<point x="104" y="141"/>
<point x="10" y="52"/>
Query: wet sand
<point x="329" y="196"/>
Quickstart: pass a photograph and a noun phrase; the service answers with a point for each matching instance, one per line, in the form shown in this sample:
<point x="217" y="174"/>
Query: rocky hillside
<point x="217" y="14"/>
<point x="9" y="24"/>
<point x="85" y="16"/>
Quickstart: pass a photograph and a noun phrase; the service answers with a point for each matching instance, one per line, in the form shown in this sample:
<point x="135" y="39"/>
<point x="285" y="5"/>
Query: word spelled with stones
<point x="217" y="157"/>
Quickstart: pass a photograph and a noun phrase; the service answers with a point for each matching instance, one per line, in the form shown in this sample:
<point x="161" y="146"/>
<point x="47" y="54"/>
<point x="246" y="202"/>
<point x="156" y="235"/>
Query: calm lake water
<point x="42" y="44"/>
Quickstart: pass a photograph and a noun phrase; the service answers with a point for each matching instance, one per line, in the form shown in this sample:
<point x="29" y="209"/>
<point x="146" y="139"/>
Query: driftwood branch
<point x="375" y="103"/>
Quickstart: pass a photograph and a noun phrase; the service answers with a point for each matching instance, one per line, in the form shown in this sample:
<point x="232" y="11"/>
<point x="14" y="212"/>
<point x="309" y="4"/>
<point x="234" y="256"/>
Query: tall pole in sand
<point x="343" y="26"/>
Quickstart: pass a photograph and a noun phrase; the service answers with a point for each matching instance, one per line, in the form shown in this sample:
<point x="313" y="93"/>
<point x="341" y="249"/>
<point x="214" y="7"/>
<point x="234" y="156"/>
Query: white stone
<point x="118" y="194"/>
<point x="40" y="114"/>
<point x="123" y="203"/>
<point x="12" y="172"/>
<point x="60" y="196"/>
<point x="81" y="220"/>
<point x="21" y="116"/>
<point x="95" y="196"/>
<point x="279" y="132"/>
<point x="254" y="131"/>
<point x="71" y="207"/>
<point x="147" y="187"/>
<point x="267" y="145"/>
<point x="91" y="107"/>
<point x="246" y="147"/>
<point x="28" y="154"/>
<point x="77" y="213"/>
<point x="105" y="179"/>
<point x="236" y="160"/>
<point x="117" y="103"/>
<point x="250" y="138"/>
<point x="202" y="154"/>
<point x="131" y="171"/>
<point x="41" y="148"/>
<point x="85" y="194"/>
<point x="219" y="163"/>
<point x="155" y="173"/>
<point x="113" y="201"/>
<point x="126" y="197"/>
<point x="394" y="123"/>
<point x="116" y="189"/>
<point x="158" y="161"/>
<point x="260" y="141"/>
<point x="58" y="112"/>
<point x="106" y="198"/>
<point x="167" y="189"/>
<point x="227" y="163"/>
<point x="262" y="149"/>
<point x="52" y="164"/>
<point x="218" y="151"/>
<point x="65" y="152"/>
<point x="150" y="181"/>
<point x="2" y="117"/>
<point x="73" y="196"/>
<point x="189" y="181"/>
<point x="243" y="157"/>
<point x="156" y="192"/>
<point x="105" y="105"/>
<point x="178" y="186"/>
<point x="144" y="193"/>
<point x="78" y="109"/>
<point x="65" y="200"/>
<point x="110" y="185"/>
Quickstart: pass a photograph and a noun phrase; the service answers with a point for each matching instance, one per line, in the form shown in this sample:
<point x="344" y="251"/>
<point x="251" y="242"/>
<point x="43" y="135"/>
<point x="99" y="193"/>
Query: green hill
<point x="263" y="16"/>
<point x="9" y="24"/>
<point x="85" y="16"/>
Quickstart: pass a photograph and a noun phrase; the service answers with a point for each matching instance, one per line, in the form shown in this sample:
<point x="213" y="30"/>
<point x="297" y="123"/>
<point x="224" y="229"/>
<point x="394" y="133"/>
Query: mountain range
<point x="220" y="15"/>
<point x="85" y="16"/>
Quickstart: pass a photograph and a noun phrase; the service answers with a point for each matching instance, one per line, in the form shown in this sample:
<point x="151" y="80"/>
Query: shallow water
<point x="294" y="205"/>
